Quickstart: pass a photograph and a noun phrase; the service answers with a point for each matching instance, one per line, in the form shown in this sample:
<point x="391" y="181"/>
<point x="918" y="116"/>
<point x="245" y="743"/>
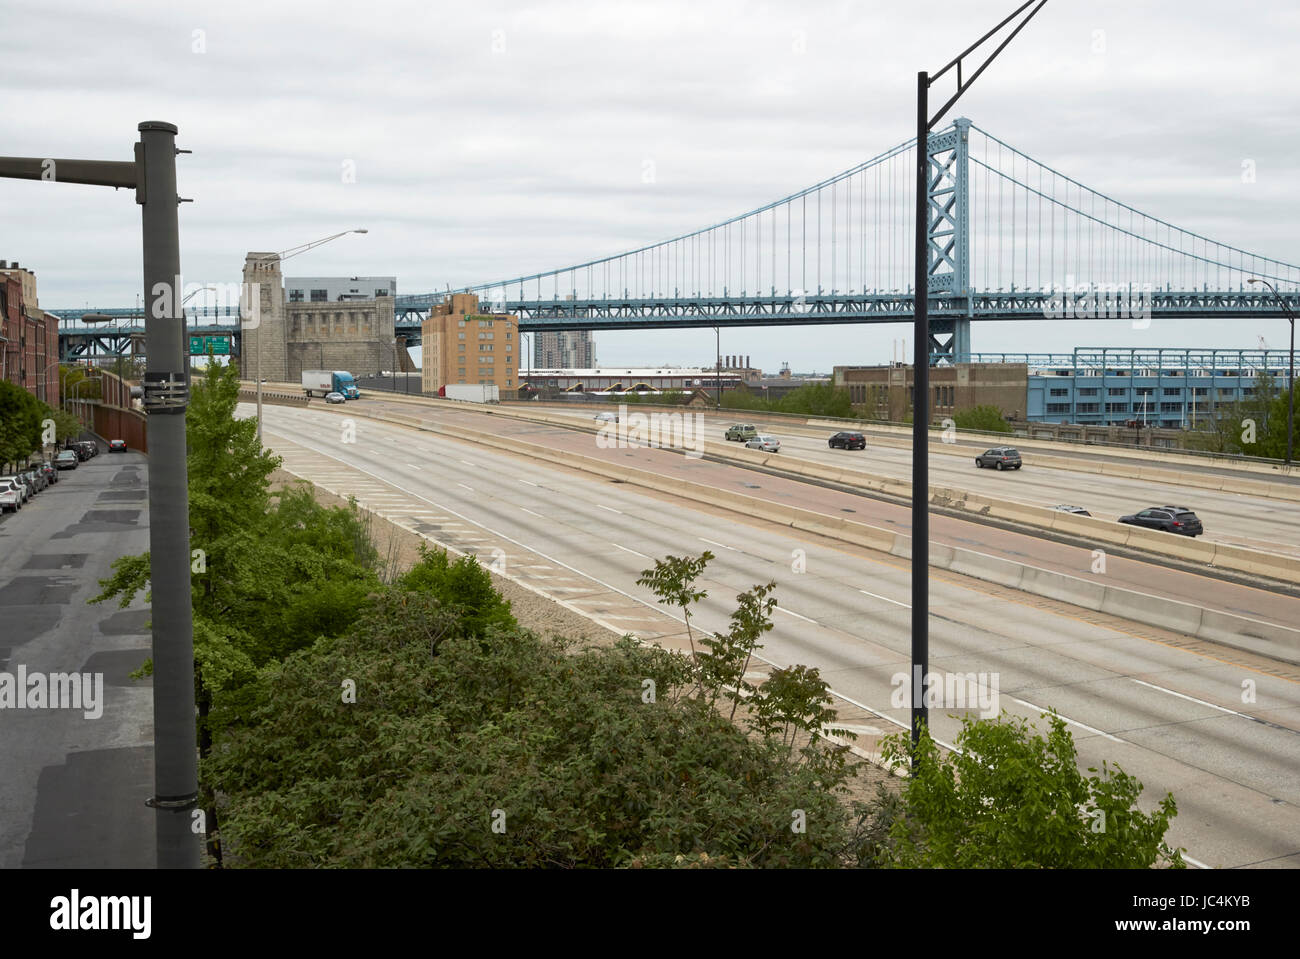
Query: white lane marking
<point x="632" y="551"/>
<point x="1072" y="722"/>
<point x="531" y="513"/>
<point x="1195" y="862"/>
<point x="414" y="467"/>
<point x="1223" y="709"/>
<point x="611" y="509"/>
<point x="468" y="463"/>
<point x="885" y="598"/>
<point x="782" y="609"/>
<point x="470" y="488"/>
<point x="526" y="483"/>
<point x="376" y="452"/>
<point x="720" y="545"/>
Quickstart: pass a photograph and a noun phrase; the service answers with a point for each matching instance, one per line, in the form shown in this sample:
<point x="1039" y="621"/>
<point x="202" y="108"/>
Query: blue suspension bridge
<point x="1010" y="238"/>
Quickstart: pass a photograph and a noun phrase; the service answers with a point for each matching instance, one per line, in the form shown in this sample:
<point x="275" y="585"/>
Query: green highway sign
<point x="199" y="345"/>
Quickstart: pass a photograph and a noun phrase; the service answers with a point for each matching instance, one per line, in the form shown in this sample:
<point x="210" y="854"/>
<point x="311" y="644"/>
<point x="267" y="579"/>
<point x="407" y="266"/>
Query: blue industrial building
<point x="1169" y="388"/>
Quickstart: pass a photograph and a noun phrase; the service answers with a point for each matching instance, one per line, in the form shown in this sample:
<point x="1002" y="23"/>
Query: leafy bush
<point x="1011" y="799"/>
<point x="986" y="418"/>
<point x="463" y="586"/>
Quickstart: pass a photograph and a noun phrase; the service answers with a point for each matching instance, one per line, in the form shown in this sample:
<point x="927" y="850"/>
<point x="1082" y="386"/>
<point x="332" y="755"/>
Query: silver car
<point x="335" y="398"/>
<point x="764" y="442"/>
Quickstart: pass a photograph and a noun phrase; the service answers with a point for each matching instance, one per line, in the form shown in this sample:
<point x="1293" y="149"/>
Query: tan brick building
<point x="885" y="392"/>
<point x="462" y="345"/>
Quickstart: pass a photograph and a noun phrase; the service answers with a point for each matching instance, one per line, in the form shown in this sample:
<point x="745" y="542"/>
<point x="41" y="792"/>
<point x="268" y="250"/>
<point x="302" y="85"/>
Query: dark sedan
<point x="1168" y="519"/>
<point x="847" y="441"/>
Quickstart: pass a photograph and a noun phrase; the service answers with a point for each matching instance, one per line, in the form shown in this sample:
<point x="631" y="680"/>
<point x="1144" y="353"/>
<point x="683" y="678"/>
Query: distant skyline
<point x="483" y="142"/>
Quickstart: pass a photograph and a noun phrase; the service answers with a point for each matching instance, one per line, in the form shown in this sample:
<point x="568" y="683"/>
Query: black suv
<point x="1000" y="458"/>
<point x="847" y="441"/>
<point x="1169" y="519"/>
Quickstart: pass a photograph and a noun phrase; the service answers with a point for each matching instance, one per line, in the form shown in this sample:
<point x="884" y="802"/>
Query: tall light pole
<point x="257" y="337"/>
<point x="921" y="360"/>
<point x="152" y="176"/>
<point x="1290" y="373"/>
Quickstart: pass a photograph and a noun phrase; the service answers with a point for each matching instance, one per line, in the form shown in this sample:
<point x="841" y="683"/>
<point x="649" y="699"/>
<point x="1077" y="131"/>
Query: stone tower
<point x="264" y="332"/>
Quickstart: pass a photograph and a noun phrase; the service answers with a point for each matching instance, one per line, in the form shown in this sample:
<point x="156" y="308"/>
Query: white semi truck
<point x="330" y="381"/>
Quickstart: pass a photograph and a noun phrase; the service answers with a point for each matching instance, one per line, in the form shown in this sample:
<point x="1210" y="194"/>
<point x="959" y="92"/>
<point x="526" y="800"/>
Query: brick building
<point x="462" y="345"/>
<point x="885" y="392"/>
<point x="29" y="337"/>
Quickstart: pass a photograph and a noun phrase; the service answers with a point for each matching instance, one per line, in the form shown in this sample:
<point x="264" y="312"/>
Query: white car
<point x="768" y="444"/>
<point x="606" y="417"/>
<point x="335" y="398"/>
<point x="10" y="498"/>
<point x="23" y="491"/>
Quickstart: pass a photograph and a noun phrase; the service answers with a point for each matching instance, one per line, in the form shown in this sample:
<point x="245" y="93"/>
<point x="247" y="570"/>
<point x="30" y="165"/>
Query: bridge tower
<point x="263" y="337"/>
<point x="948" y="230"/>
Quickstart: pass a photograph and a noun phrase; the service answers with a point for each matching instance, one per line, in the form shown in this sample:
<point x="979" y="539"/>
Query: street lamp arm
<point x="114" y="173"/>
<point x="295" y="250"/>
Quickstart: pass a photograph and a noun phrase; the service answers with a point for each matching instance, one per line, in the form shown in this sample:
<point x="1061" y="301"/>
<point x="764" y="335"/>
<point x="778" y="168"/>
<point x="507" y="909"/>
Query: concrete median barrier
<point x="1268" y="639"/>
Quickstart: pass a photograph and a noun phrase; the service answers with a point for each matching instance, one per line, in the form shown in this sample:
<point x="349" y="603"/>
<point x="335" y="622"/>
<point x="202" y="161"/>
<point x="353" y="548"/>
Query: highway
<point x="1256" y="522"/>
<point x="1169" y="711"/>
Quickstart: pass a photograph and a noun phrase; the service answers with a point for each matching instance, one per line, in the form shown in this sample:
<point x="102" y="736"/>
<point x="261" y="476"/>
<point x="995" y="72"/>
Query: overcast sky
<point x="495" y="139"/>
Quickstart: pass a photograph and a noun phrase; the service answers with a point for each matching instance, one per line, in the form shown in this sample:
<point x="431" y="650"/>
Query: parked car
<point x="335" y="398"/>
<point x="117" y="446"/>
<point x="67" y="460"/>
<point x="740" y="432"/>
<point x="80" y="451"/>
<point x="10" y="498"/>
<point x="1169" y="519"/>
<point x="51" y="474"/>
<point x="1000" y="458"/>
<point x="36" y="478"/>
<point x="766" y="443"/>
<point x="17" y="483"/>
<point x="1077" y="510"/>
<point x="848" y="441"/>
<point x="91" y="447"/>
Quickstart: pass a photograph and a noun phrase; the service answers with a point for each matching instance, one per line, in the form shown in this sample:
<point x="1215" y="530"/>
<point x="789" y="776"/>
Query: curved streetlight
<point x="1290" y="376"/>
<point x="257" y="337"/>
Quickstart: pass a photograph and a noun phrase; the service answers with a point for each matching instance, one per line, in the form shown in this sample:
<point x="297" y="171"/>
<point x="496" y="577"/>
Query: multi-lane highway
<point x="1240" y="519"/>
<point x="1218" y="728"/>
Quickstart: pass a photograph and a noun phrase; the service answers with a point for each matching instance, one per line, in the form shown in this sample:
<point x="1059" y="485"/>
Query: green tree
<point x="20" y="424"/>
<point x="270" y="574"/>
<point x="1012" y="799"/>
<point x="1252" y="426"/>
<point x="988" y="419"/>
<point x="672" y="579"/>
<point x="464" y="587"/>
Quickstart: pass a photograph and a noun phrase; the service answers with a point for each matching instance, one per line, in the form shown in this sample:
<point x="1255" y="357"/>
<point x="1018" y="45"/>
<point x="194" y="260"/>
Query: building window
<point x="1117" y="391"/>
<point x="1088" y="408"/>
<point x="1171" y="408"/>
<point x="1088" y="391"/>
<point x="295" y="296"/>
<point x="379" y="293"/>
<point x="1116" y="407"/>
<point x="1173" y="391"/>
<point x="1058" y="407"/>
<point x="320" y="296"/>
<point x="461" y="335"/>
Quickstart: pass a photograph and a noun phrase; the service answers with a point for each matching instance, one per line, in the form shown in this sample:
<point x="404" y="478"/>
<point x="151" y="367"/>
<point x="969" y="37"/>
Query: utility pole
<point x="921" y="360"/>
<point x="152" y="175"/>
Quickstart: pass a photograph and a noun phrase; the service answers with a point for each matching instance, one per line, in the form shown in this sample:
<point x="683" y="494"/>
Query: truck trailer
<point x="330" y="381"/>
<point x="471" y="392"/>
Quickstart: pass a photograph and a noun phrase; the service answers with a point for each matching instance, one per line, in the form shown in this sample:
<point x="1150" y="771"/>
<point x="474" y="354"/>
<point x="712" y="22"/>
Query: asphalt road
<point x="1169" y="711"/>
<point x="1256" y="522"/>
<point x="73" y="789"/>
